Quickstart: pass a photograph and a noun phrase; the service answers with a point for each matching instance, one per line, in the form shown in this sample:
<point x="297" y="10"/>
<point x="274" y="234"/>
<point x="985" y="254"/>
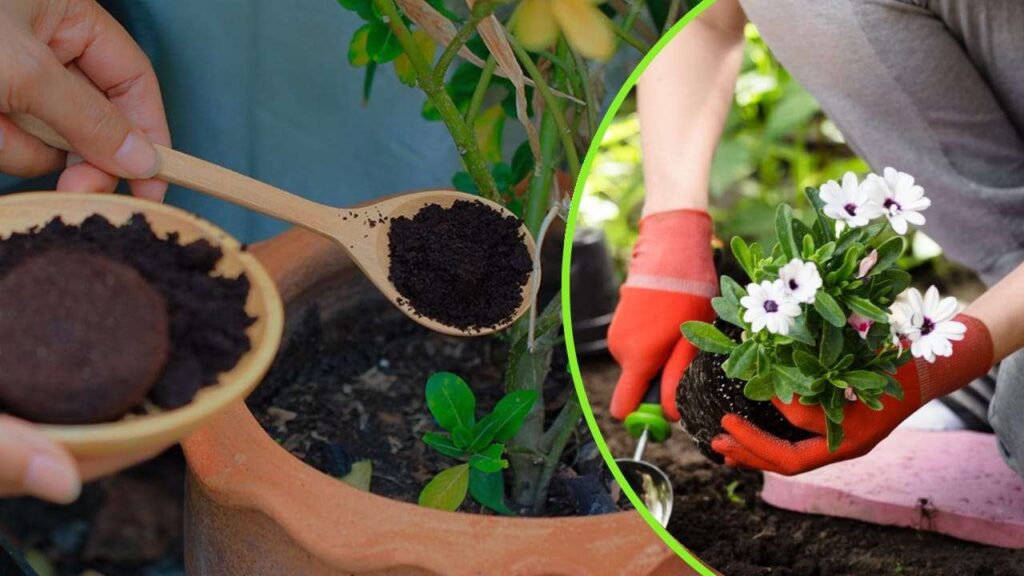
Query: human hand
<point x="671" y="281"/>
<point x="744" y="445"/>
<point x="71" y="65"/>
<point x="33" y="465"/>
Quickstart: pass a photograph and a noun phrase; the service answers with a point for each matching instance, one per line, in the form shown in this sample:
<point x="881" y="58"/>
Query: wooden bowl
<point x="135" y="434"/>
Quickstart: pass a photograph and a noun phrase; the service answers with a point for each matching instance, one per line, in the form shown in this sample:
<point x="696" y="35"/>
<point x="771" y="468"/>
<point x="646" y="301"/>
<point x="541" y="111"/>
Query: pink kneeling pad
<point x="954" y="483"/>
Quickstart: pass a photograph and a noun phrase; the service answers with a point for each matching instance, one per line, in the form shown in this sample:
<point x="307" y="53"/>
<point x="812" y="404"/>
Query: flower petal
<point x="586" y="28"/>
<point x="534" y="24"/>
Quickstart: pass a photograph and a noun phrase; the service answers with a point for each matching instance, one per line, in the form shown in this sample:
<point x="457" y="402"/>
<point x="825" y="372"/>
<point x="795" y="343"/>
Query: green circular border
<point x="570" y="344"/>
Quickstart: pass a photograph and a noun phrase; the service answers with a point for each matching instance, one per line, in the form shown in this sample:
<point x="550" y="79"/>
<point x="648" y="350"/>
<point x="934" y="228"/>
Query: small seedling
<point x="730" y="493"/>
<point x="478" y="444"/>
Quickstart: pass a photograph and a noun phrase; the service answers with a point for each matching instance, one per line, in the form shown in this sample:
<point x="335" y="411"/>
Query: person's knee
<point x="1006" y="412"/>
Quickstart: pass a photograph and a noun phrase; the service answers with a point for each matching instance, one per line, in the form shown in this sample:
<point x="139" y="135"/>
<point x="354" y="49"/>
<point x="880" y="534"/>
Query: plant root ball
<point x="706" y="394"/>
<point x="83" y="338"/>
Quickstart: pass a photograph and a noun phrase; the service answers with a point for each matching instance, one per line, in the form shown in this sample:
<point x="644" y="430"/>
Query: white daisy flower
<point x="800" y="280"/>
<point x="930" y="326"/>
<point x="848" y="203"/>
<point x="900" y="199"/>
<point x="899" y="320"/>
<point x="769" y="307"/>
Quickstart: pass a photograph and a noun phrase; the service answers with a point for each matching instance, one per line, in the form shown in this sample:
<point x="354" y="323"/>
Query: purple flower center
<point x="927" y="326"/>
<point x="770" y="306"/>
<point x="851" y="209"/>
<point x="793" y="285"/>
<point x="889" y="204"/>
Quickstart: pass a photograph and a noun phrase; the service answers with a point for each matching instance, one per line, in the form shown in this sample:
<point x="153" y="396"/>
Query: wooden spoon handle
<point x="209" y="178"/>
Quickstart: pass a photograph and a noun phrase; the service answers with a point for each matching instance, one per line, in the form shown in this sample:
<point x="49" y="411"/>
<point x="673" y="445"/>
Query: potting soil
<point x="207" y="313"/>
<point x="464" y="266"/>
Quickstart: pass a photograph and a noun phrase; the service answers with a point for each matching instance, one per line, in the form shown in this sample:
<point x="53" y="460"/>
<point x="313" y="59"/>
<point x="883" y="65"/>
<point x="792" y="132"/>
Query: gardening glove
<point x="671" y="281"/>
<point x="747" y="446"/>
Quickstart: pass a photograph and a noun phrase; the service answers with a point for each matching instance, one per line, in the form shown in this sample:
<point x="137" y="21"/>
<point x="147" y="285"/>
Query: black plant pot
<point x="595" y="291"/>
<point x="706" y="394"/>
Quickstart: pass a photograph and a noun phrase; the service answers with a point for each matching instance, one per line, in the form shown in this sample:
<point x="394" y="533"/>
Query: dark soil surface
<point x="463" y="266"/>
<point x="129" y="524"/>
<point x="706" y="394"/>
<point x="354" y="390"/>
<point x="719" y="516"/>
<point x="207" y="314"/>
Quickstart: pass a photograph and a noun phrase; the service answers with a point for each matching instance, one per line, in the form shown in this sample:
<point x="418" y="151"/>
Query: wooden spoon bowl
<point x="157" y="429"/>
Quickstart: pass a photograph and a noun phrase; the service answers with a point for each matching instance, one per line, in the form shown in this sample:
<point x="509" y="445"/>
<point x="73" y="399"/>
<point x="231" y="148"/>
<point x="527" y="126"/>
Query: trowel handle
<point x="648" y="416"/>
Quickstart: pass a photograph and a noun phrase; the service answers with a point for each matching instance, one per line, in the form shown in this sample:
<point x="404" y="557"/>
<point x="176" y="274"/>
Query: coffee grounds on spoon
<point x="463" y="266"/>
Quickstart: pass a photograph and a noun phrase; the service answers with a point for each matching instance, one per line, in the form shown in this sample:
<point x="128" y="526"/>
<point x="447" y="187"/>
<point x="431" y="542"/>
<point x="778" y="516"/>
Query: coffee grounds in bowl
<point x="464" y="266"/>
<point x="207" y="313"/>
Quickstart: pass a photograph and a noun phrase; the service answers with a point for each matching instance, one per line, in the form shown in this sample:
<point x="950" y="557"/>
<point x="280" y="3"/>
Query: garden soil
<point x="464" y="266"/>
<point x="354" y="390"/>
<point x="721" y="518"/>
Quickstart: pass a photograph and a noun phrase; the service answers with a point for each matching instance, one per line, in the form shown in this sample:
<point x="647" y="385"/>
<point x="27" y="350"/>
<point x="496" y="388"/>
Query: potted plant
<point x="824" y="317"/>
<point x="254" y="507"/>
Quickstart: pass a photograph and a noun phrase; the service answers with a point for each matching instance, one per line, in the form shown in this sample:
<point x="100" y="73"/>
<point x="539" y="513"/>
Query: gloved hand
<point x="671" y="281"/>
<point x="747" y="446"/>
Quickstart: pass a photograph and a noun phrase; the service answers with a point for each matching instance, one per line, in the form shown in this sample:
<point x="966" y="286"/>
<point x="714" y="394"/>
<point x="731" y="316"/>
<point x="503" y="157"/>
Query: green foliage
<point x="479" y="444"/>
<point x="822" y="358"/>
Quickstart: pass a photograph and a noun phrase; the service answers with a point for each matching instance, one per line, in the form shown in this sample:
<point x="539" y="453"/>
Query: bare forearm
<point x="1001" y="309"/>
<point x="683" y="99"/>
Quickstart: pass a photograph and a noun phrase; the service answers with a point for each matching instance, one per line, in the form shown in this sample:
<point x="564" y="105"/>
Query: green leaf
<point x="742" y="361"/>
<point x="825" y="252"/>
<point x="800" y="332"/>
<point x="489" y="490"/>
<point x="364" y="8"/>
<point x="888" y="253"/>
<point x="784" y="231"/>
<point x="824" y="226"/>
<point x="807" y="251"/>
<point x="450" y="400"/>
<point x="791" y="113"/>
<point x="893" y="387"/>
<point x="489" y="127"/>
<point x="443" y="444"/>
<point x="760" y="388"/>
<point x="851" y="260"/>
<point x="865" y="308"/>
<point x="829" y="309"/>
<point x="381" y="43"/>
<point x="865" y="380"/>
<point x="357" y="54"/>
<point x="368" y="76"/>
<point x="489" y="459"/>
<point x="522" y="162"/>
<point x="844" y="363"/>
<point x="807" y="363"/>
<point x="742" y="253"/>
<point x="731" y="290"/>
<point x="447" y="490"/>
<point x="899" y="280"/>
<point x="726" y="310"/>
<point x="835" y="406"/>
<point x="831" y="344"/>
<point x="462" y="437"/>
<point x="789" y="379"/>
<point x="708" y="338"/>
<point x="510" y="412"/>
<point x="360" y="475"/>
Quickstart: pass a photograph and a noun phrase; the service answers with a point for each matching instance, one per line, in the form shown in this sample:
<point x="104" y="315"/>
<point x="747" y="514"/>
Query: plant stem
<point x="462" y="133"/>
<point x="486" y="74"/>
<point x="588" y="95"/>
<point x="553" y="444"/>
<point x="671" y="15"/>
<point x="629" y="38"/>
<point x="480" y="11"/>
<point x="543" y="172"/>
<point x="552" y="106"/>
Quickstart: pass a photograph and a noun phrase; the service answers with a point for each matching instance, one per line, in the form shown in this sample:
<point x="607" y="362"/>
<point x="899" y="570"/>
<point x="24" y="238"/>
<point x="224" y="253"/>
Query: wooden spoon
<point x="362" y="231"/>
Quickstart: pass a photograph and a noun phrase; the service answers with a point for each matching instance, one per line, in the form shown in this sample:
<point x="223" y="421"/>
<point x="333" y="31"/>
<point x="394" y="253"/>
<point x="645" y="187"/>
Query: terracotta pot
<point x="253" y="508"/>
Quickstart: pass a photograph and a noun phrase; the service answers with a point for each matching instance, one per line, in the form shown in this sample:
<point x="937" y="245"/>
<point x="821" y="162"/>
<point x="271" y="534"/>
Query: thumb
<point x="92" y="125"/>
<point x="678" y="362"/>
<point x="32" y="464"/>
<point x="630" y="390"/>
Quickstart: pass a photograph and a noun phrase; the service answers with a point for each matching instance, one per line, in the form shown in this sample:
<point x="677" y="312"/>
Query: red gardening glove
<point x="671" y="281"/>
<point x="747" y="446"/>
